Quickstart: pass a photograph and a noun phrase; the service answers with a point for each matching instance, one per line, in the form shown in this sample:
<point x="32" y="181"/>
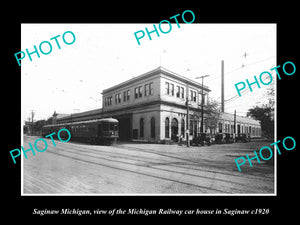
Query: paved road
<point x="130" y="168"/>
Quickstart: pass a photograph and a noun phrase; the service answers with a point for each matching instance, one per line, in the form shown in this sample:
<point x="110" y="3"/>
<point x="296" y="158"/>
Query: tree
<point x="211" y="116"/>
<point x="265" y="113"/>
<point x="37" y="126"/>
<point x="212" y="112"/>
<point x="271" y="98"/>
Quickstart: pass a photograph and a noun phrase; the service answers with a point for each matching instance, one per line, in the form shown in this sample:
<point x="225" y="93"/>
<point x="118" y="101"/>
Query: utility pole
<point x="234" y="122"/>
<point x="222" y="86"/>
<point x="187" y="117"/>
<point x="32" y="115"/>
<point x="202" y="103"/>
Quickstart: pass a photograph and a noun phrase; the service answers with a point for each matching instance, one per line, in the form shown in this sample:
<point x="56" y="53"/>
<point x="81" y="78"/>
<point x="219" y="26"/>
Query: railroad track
<point x="162" y="166"/>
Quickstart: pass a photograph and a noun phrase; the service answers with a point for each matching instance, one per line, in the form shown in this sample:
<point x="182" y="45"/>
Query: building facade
<point x="152" y="107"/>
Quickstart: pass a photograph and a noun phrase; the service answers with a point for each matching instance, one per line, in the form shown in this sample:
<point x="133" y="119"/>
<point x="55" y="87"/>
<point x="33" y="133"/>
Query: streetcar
<point x="99" y="131"/>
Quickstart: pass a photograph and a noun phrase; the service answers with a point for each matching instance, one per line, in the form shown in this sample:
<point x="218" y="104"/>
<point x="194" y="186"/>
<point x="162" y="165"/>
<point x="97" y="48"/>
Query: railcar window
<point x="111" y="126"/>
<point x="105" y="127"/>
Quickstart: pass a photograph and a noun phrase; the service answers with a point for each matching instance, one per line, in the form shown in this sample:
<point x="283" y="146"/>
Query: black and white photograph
<point x="150" y="111"/>
<point x="167" y="114"/>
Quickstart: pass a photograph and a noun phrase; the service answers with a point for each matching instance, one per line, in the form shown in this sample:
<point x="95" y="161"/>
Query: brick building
<point x="152" y="107"/>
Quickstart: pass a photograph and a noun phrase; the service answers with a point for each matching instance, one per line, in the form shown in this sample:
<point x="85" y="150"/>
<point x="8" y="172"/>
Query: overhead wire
<point x="241" y="67"/>
<point x="245" y="91"/>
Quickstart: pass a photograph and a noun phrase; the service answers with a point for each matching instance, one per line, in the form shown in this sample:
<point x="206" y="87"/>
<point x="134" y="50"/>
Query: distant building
<point x="152" y="107"/>
<point x="57" y="116"/>
<point x="243" y="125"/>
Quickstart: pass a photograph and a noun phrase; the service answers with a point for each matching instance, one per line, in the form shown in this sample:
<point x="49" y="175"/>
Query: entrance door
<point x="174" y="129"/>
<point x="124" y="128"/>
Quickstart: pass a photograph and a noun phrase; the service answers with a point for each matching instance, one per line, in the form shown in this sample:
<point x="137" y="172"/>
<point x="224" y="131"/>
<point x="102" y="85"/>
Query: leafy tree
<point x="37" y="126"/>
<point x="212" y="114"/>
<point x="265" y="113"/>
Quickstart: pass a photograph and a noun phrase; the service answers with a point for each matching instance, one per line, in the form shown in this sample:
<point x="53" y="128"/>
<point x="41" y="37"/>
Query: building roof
<point x="240" y="119"/>
<point x="82" y="114"/>
<point x="156" y="71"/>
<point x="61" y="115"/>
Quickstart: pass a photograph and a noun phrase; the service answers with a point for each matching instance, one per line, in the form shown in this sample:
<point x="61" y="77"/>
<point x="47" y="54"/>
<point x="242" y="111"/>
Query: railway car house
<point x="152" y="107"/>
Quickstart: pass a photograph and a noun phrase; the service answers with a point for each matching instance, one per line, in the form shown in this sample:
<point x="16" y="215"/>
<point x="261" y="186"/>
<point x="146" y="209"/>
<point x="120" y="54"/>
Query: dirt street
<point x="140" y="168"/>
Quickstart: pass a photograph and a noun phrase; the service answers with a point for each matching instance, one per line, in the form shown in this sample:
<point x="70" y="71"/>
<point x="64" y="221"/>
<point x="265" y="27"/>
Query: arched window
<point x="191" y="127"/>
<point x="182" y="128"/>
<point x="167" y="127"/>
<point x="152" y="127"/>
<point x="141" y="128"/>
<point x="174" y="129"/>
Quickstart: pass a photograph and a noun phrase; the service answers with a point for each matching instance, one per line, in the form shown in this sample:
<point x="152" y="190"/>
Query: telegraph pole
<point x="202" y="103"/>
<point x="32" y="115"/>
<point x="187" y="117"/>
<point x="234" y="122"/>
<point x="222" y="86"/>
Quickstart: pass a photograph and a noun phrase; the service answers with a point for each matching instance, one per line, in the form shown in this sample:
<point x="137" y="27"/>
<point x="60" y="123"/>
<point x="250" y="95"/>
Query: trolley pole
<point x="187" y="117"/>
<point x="202" y="103"/>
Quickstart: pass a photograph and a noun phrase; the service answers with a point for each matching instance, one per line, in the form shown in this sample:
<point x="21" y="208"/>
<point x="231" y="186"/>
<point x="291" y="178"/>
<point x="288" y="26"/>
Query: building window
<point x="195" y="128"/>
<point x="118" y="98"/>
<point x="174" y="129"/>
<point x="151" y="89"/>
<point x="172" y="89"/>
<point x="141" y="128"/>
<point x="126" y="95"/>
<point x="191" y="127"/>
<point x="108" y="101"/>
<point x="152" y="127"/>
<point x="146" y="89"/>
<point x="138" y="92"/>
<point x="220" y="127"/>
<point x="193" y="96"/>
<point x="167" y="127"/>
<point x="182" y="92"/>
<point x="182" y="128"/>
<point x="177" y="91"/>
<point x="167" y="88"/>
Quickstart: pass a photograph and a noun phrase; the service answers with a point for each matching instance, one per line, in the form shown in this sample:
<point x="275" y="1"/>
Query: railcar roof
<point x="110" y="120"/>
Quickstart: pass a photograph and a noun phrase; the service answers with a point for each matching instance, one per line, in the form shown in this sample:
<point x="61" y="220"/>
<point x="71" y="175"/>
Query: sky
<point x="71" y="79"/>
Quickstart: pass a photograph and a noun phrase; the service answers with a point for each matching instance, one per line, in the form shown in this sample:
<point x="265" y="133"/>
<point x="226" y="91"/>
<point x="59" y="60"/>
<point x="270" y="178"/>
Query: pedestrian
<point x="180" y="140"/>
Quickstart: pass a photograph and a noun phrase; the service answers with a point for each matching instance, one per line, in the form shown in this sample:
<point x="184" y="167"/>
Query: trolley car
<point x="100" y="131"/>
